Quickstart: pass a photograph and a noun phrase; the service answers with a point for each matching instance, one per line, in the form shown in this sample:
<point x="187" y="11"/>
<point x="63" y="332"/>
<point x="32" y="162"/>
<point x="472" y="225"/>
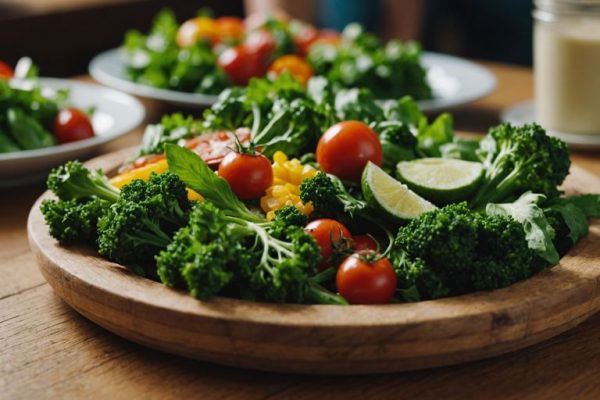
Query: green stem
<point x="319" y="295"/>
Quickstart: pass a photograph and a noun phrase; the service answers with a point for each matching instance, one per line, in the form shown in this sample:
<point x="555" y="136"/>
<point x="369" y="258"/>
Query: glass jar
<point x="567" y="65"/>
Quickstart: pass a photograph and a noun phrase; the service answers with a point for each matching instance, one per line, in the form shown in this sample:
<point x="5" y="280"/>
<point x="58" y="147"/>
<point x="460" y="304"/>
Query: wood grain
<point x="40" y="334"/>
<point x="324" y="339"/>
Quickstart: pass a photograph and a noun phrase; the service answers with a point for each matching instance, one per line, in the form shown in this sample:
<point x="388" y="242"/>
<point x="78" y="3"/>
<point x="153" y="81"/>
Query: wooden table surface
<point x="50" y="351"/>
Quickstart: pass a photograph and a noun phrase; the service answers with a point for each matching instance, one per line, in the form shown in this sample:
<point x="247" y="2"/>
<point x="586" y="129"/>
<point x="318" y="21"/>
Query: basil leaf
<point x="194" y="172"/>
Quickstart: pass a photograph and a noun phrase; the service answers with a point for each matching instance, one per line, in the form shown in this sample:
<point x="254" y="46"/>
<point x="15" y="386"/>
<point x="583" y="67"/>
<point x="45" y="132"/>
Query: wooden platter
<point x="319" y="339"/>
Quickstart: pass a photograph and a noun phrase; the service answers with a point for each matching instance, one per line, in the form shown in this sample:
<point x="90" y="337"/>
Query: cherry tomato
<point x="71" y="125"/>
<point x="329" y="234"/>
<point x="195" y="29"/>
<point x="346" y="147"/>
<point x="241" y="64"/>
<point x="229" y="28"/>
<point x="261" y="42"/>
<point x="249" y="175"/>
<point x="366" y="278"/>
<point x="211" y="147"/>
<point x="295" y="65"/>
<point x="305" y="37"/>
<point x="6" y="72"/>
<point x="364" y="242"/>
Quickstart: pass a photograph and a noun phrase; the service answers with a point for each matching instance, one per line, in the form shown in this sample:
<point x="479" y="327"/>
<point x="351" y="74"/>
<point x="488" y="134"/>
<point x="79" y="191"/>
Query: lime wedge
<point x="393" y="198"/>
<point x="441" y="180"/>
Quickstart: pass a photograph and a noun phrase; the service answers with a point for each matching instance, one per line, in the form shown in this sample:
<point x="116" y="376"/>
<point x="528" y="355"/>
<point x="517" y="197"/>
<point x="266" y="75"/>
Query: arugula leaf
<point x="538" y="232"/>
<point x="194" y="172"/>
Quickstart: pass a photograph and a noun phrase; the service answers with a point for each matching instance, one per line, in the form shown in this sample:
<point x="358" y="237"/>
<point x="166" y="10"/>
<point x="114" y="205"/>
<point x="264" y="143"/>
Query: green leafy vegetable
<point x="392" y="70"/>
<point x="143" y="220"/>
<point x="454" y="250"/>
<point x="520" y="159"/>
<point x="194" y="172"/>
<point x="74" y="221"/>
<point x="73" y="180"/>
<point x="538" y="231"/>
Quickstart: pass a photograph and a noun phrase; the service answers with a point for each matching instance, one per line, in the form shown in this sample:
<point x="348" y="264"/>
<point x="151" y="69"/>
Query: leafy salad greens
<point x="432" y="215"/>
<point x="206" y="55"/>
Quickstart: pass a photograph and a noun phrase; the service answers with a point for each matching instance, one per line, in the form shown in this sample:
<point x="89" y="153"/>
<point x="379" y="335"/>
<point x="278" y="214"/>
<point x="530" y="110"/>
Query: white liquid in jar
<point x="567" y="75"/>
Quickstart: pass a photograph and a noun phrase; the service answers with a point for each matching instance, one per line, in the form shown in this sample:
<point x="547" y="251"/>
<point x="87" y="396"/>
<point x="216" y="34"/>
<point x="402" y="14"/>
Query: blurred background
<point x="63" y="35"/>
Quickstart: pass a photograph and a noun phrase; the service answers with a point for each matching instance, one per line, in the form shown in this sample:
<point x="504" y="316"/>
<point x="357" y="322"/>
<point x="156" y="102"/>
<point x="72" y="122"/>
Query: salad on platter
<point x="33" y="116"/>
<point x="322" y="195"/>
<point x="206" y="55"/>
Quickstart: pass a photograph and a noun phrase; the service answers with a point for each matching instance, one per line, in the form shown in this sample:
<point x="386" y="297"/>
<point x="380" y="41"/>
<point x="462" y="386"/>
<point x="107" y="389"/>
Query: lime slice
<point x="441" y="180"/>
<point x="393" y="198"/>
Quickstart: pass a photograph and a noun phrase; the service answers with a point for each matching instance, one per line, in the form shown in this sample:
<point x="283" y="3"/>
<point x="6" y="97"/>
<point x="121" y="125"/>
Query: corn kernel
<point x="287" y="176"/>
<point x="279" y="157"/>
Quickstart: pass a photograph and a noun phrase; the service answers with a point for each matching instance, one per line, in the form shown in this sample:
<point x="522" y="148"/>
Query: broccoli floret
<point x="74" y="221"/>
<point x="220" y="254"/>
<point x="290" y="215"/>
<point x="453" y="250"/>
<point x="329" y="197"/>
<point x="73" y="180"/>
<point x="203" y="255"/>
<point x="143" y="220"/>
<point x="518" y="159"/>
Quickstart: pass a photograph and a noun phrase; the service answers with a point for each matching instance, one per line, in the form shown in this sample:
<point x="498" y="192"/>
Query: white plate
<point x="524" y="112"/>
<point x="116" y="115"/>
<point x="455" y="81"/>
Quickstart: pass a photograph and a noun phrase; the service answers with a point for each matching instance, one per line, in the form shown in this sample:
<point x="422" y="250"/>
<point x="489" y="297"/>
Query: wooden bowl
<point x="323" y="339"/>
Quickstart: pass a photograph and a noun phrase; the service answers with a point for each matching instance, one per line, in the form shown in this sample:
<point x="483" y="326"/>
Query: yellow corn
<point x="144" y="173"/>
<point x="287" y="176"/>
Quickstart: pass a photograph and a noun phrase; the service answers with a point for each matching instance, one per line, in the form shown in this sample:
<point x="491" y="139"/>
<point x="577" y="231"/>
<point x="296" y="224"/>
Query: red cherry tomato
<point x="346" y="147"/>
<point x="195" y="29"/>
<point x="241" y="64"/>
<point x="305" y="37"/>
<point x="261" y="42"/>
<point x="6" y="72"/>
<point x="229" y="28"/>
<point x="249" y="175"/>
<point x="366" y="278"/>
<point x="364" y="242"/>
<point x="329" y="234"/>
<point x="71" y="125"/>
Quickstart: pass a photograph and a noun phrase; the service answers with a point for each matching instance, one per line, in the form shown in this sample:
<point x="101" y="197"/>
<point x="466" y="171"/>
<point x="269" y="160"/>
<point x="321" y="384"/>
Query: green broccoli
<point x="330" y="197"/>
<point x="518" y="159"/>
<point x="143" y="220"/>
<point x="74" y="221"/>
<point x="217" y="253"/>
<point x="290" y="215"/>
<point x="204" y="254"/>
<point x="73" y="180"/>
<point x="454" y="250"/>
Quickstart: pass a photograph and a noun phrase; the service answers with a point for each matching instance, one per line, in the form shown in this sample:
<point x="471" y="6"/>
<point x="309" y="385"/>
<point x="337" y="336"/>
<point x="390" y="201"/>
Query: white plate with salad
<point x="188" y="64"/>
<point x="454" y="82"/>
<point x="48" y="121"/>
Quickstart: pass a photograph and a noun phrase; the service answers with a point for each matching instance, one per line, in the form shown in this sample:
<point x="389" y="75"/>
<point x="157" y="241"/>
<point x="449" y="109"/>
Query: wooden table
<point x="49" y="351"/>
